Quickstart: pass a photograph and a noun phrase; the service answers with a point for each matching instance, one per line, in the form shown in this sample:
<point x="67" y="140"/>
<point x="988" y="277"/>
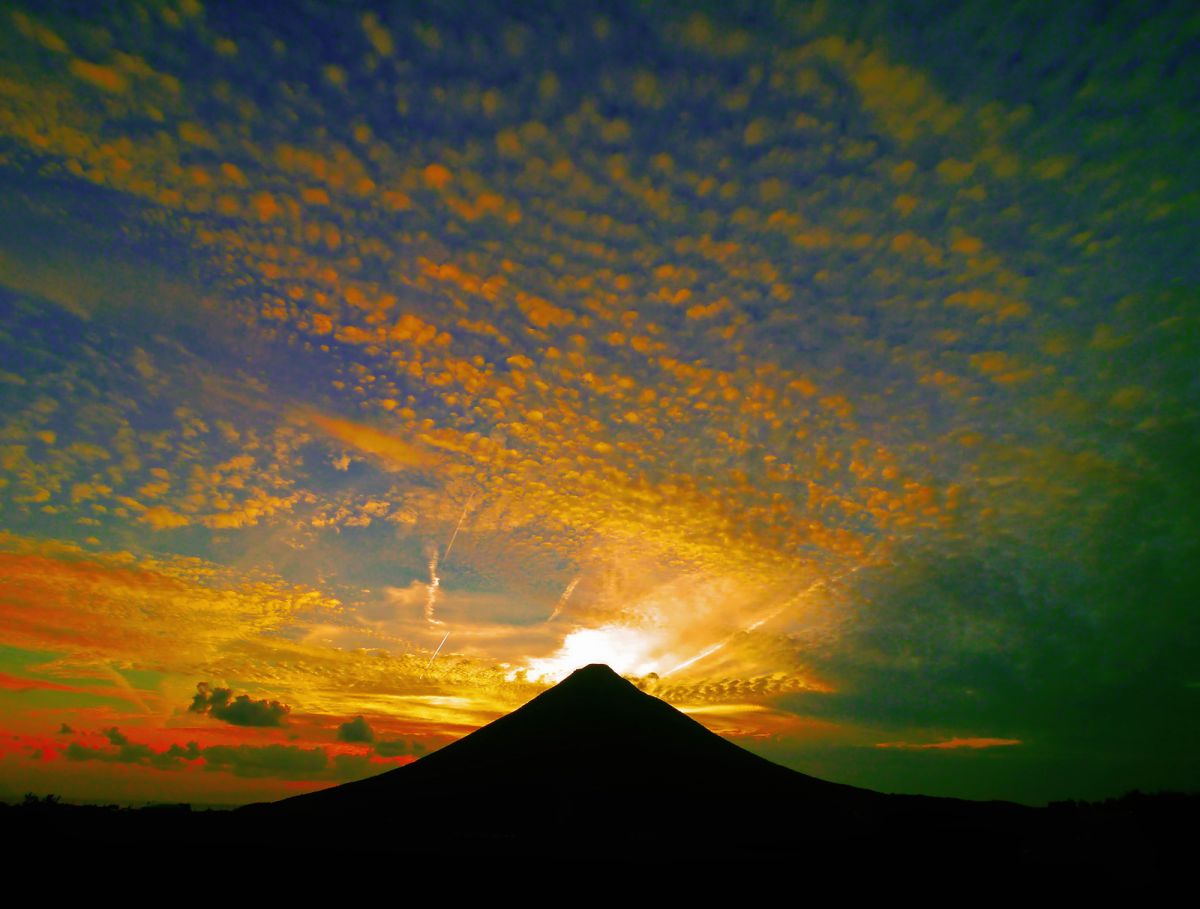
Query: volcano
<point x="599" y="758"/>
<point x="592" y="737"/>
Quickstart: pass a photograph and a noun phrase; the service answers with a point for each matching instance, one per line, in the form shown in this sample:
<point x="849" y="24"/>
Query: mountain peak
<point x="589" y="688"/>
<point x="596" y="674"/>
<point x="596" y="670"/>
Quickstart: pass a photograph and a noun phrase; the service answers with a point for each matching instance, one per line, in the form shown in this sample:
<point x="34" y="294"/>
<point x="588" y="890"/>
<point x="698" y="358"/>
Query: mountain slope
<point x="592" y="733"/>
<point x="612" y="765"/>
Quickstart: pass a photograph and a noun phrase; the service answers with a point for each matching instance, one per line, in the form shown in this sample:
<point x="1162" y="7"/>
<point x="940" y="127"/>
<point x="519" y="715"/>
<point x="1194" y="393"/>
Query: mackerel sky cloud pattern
<point x="832" y="373"/>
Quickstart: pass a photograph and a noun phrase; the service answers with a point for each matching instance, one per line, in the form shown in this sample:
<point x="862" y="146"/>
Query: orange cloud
<point x="108" y="607"/>
<point x="394" y="452"/>
<point x="103" y="77"/>
<point x="951" y="744"/>
<point x="19" y="683"/>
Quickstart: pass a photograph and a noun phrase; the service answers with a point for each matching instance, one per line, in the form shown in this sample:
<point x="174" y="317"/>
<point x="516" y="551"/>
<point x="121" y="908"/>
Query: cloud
<point x="394" y="452"/>
<point x="18" y="683"/>
<point x="355" y="730"/>
<point x="281" y="761"/>
<point x="352" y="766"/>
<point x="972" y="743"/>
<point x="115" y="736"/>
<point x="274" y="761"/>
<point x="103" y="77"/>
<point x="237" y="711"/>
<point x="113" y="606"/>
<point x="122" y="752"/>
<point x="398" y="748"/>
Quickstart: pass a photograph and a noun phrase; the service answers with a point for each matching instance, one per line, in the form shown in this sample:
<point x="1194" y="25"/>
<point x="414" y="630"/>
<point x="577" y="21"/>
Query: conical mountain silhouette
<point x="593" y="755"/>
<point x="593" y="769"/>
<point x="593" y="733"/>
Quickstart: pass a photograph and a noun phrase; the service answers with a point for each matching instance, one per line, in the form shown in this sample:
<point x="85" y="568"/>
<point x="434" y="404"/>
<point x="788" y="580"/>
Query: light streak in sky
<point x="124" y="685"/>
<point x="708" y="651"/>
<point x="436" y="652"/>
<point x="758" y="623"/>
<point x="562" y="600"/>
<point x="457" y="528"/>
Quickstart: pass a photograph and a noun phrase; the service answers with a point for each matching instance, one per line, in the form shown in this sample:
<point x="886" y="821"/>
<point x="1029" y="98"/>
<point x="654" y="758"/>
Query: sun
<point x="627" y="650"/>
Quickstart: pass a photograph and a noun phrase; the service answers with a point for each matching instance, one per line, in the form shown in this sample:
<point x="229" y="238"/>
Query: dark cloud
<point x="237" y="711"/>
<point x="124" y="751"/>
<point x="281" y="761"/>
<point x="77" y="752"/>
<point x="288" y="762"/>
<point x="351" y="766"/>
<point x="115" y="736"/>
<point x="355" y="730"/>
<point x="175" y="756"/>
<point x="398" y="747"/>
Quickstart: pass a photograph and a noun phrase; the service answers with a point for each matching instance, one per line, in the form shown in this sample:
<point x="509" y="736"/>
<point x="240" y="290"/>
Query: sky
<point x="830" y="370"/>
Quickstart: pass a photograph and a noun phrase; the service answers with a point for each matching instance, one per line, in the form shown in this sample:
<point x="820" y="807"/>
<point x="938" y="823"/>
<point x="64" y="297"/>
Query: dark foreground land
<point x="595" y="771"/>
<point x="1138" y="837"/>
